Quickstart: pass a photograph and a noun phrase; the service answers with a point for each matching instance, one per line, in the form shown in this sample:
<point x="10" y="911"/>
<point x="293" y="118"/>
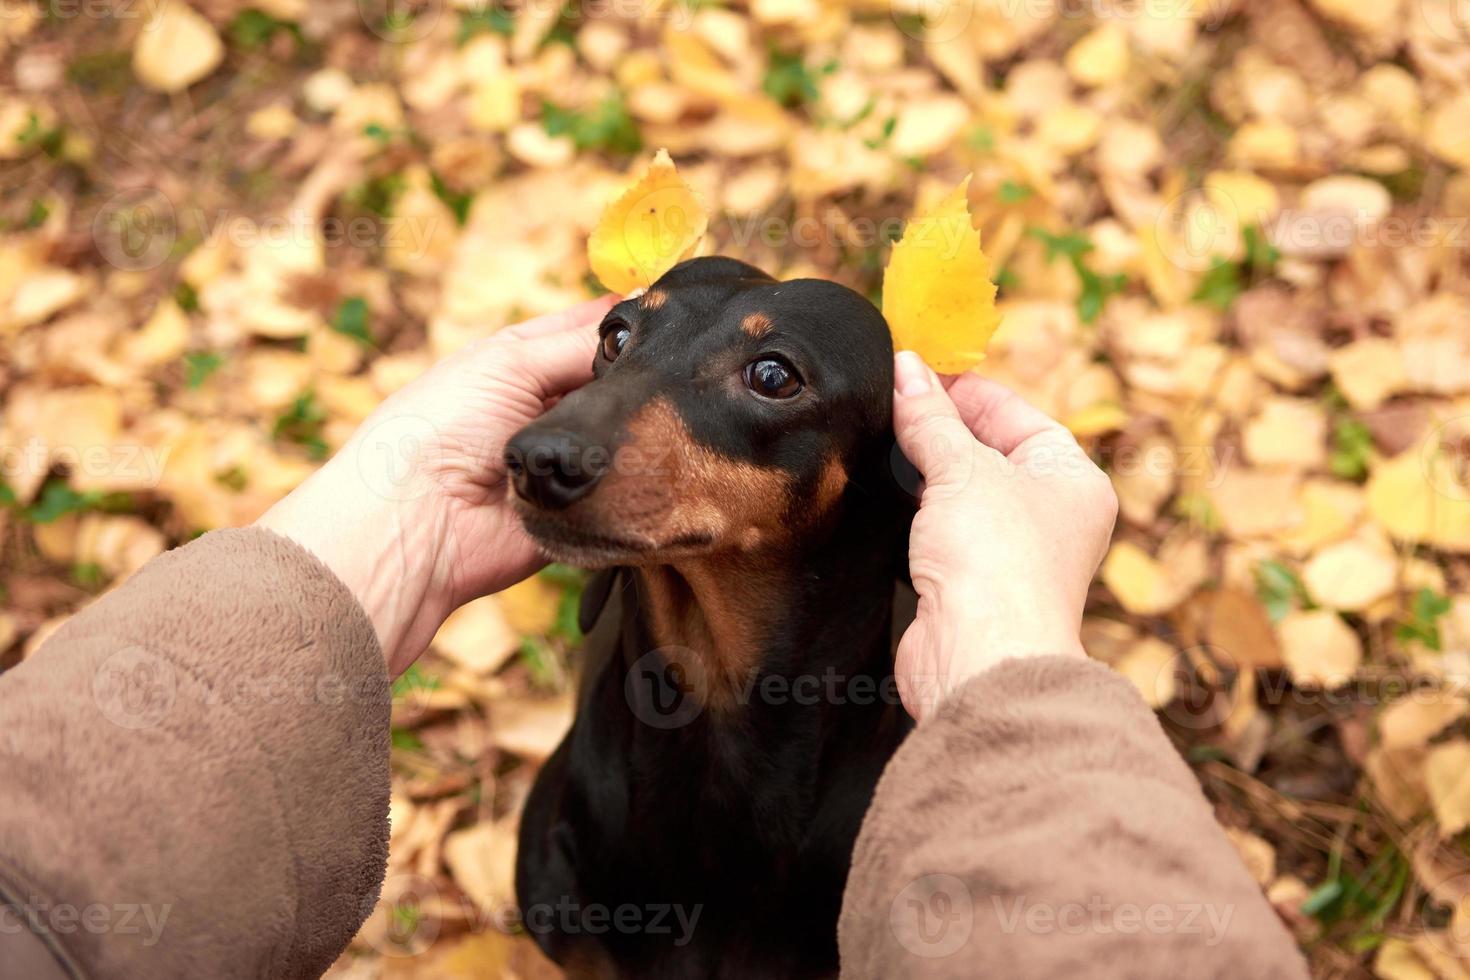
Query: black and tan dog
<point x="729" y="471"/>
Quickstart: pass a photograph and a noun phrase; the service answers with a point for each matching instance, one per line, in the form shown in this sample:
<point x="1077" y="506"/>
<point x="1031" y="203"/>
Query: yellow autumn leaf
<point x="652" y="227"/>
<point x="937" y="294"/>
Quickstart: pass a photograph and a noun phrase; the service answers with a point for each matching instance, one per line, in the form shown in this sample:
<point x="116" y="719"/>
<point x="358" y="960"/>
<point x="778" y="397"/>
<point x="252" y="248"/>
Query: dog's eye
<point x="771" y="377"/>
<point x="614" y="339"/>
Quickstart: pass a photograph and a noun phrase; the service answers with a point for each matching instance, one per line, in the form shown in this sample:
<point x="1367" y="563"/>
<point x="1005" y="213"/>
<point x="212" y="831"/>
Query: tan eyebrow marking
<point x="653" y="299"/>
<point x="755" y="324"/>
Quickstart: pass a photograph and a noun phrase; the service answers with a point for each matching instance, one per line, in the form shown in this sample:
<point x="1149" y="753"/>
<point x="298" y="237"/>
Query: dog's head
<point x="727" y="411"/>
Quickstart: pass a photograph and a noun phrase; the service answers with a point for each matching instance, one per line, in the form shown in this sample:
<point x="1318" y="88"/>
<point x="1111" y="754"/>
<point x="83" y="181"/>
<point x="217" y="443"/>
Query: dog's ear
<point x="595" y="593"/>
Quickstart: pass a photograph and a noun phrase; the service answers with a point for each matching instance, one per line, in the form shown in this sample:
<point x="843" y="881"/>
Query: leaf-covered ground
<point x="1230" y="239"/>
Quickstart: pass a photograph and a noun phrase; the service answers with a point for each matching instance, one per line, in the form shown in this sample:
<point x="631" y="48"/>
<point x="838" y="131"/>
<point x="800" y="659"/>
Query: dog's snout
<point x="554" y="468"/>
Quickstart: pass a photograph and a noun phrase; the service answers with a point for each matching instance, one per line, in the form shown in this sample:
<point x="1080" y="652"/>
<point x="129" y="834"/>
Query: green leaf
<point x="377" y="195"/>
<point x="253" y="28"/>
<point x="1220" y="287"/>
<point x="538" y="658"/>
<point x="458" y="201"/>
<point x="302" y="424"/>
<point x="406" y="740"/>
<point x="491" y="20"/>
<point x="187" y="297"/>
<point x="199" y="366"/>
<point x="788" y="80"/>
<point x="1279" y="589"/>
<point x="378" y="132"/>
<point x="1071" y="246"/>
<point x="38" y="214"/>
<point x="1422" y="626"/>
<point x="1260" y="255"/>
<point x="981" y="139"/>
<point x="1011" y="192"/>
<point x="352" y="318"/>
<point x="413" y="679"/>
<point x="88" y="575"/>
<point x="1095" y="290"/>
<point x="1322" y="898"/>
<point x="1352" y="446"/>
<point x="607" y="126"/>
<point x="56" y="500"/>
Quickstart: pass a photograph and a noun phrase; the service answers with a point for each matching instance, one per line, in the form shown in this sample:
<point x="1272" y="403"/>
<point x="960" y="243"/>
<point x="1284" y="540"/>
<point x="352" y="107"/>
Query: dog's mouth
<point x="571" y="544"/>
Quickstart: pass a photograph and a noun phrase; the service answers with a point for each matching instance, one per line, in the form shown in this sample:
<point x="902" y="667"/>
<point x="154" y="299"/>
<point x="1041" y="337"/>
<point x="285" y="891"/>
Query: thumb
<point x="928" y="426"/>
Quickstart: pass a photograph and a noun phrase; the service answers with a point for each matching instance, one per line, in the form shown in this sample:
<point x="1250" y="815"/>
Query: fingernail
<point x="910" y="374"/>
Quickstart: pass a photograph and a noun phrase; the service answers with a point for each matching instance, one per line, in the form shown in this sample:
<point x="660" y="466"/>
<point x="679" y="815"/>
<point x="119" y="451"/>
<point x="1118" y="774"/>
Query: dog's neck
<point x="803" y="606"/>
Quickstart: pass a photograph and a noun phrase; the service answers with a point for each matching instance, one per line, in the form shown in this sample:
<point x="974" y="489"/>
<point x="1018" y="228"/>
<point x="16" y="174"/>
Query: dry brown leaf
<point x="477" y="637"/>
<point x="1349" y="576"/>
<point x="1150" y="665"/>
<point x="481" y="858"/>
<point x="1413" y="720"/>
<point x="530" y="606"/>
<point x="1447" y="778"/>
<point x="530" y="728"/>
<point x="176" y="48"/>
<point x="1320" y="649"/>
<point x="1142" y="585"/>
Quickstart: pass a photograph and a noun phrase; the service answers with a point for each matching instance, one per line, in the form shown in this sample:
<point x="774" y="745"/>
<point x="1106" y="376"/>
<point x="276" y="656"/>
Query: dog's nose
<point x="553" y="468"/>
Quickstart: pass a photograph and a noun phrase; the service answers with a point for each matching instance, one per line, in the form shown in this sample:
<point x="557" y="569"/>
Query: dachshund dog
<point x="730" y="471"/>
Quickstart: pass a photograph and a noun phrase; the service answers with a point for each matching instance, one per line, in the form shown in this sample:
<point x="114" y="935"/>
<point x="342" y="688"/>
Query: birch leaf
<point x="653" y="226"/>
<point x="937" y="294"/>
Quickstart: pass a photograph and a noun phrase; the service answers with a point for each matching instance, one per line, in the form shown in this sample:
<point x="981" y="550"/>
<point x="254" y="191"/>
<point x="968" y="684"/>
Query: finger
<point x="583" y="314"/>
<point x="555" y="363"/>
<point x="999" y="417"/>
<point x="927" y="424"/>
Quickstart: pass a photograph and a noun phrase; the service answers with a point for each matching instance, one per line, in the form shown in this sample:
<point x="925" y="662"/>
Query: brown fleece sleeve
<point x="195" y="772"/>
<point x="1041" y="825"/>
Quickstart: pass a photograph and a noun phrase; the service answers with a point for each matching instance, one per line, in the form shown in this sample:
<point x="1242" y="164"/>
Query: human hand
<point x="1013" y="521"/>
<point x="412" y="514"/>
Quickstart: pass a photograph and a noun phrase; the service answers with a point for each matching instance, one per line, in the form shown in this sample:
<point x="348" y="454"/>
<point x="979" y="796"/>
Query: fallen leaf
<point x="1447" y="778"/>
<point x="1396" y="959"/>
<point x="530" y="606"/>
<point x="1420" y="496"/>
<point x="937" y="294"/>
<point x="1288" y="432"/>
<point x="176" y="48"/>
<point x="1349" y="576"/>
<point x="651" y="227"/>
<point x="530" y="728"/>
<point x="1413" y="720"/>
<point x="1320" y="649"/>
<point x="482" y="860"/>
<point x="1150" y="665"/>
<point x="1142" y="586"/>
<point x="1100" y="58"/>
<point x="477" y="637"/>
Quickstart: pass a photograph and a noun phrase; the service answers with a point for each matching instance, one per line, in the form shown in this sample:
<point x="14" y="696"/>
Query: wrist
<point x="385" y="551"/>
